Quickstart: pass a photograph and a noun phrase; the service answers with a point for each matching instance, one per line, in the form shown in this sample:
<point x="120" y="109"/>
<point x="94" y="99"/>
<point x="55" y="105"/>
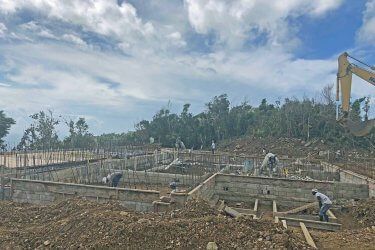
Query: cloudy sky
<point x="116" y="62"/>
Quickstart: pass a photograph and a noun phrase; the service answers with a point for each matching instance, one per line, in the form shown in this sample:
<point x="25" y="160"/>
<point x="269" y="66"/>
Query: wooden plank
<point x="329" y="226"/>
<point x="274" y="207"/>
<point x="256" y="205"/>
<point x="331" y="215"/>
<point x="276" y="219"/>
<point x="221" y="205"/>
<point x="284" y="223"/>
<point x="245" y="211"/>
<point x="308" y="237"/>
<point x="306" y="217"/>
<point x="233" y="213"/>
<point x="298" y="209"/>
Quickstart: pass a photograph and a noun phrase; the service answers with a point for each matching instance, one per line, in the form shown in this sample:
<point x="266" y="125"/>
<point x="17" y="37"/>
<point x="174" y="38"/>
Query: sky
<point x="116" y="62"/>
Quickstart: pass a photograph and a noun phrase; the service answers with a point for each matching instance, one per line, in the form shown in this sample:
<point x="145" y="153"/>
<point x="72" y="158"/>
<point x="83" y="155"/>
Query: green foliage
<point x="79" y="136"/>
<point x="304" y="119"/>
<point x="5" y="124"/>
<point x="42" y="132"/>
<point x="293" y="118"/>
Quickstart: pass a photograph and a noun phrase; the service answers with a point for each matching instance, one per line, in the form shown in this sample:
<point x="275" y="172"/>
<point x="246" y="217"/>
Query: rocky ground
<point x="359" y="160"/>
<point x="80" y="223"/>
<point x="291" y="147"/>
<point x="84" y="224"/>
<point x="358" y="220"/>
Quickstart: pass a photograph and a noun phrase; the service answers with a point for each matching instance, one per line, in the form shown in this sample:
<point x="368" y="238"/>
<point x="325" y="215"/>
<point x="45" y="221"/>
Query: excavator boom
<point x="344" y="82"/>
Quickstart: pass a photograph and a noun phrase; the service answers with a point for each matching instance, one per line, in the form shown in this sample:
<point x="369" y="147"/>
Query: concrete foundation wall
<point x="206" y="190"/>
<point x="94" y="174"/>
<point x="43" y="193"/>
<point x="347" y="176"/>
<point x="5" y="193"/>
<point x="157" y="178"/>
<point x="321" y="175"/>
<point x="246" y="188"/>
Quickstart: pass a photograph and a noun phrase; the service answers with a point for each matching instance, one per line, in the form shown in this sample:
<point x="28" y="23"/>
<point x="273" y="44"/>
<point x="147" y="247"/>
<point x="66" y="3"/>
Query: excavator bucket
<point x="360" y="128"/>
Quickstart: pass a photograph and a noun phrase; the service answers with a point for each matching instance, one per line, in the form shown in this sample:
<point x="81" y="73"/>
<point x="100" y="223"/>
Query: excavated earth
<point x="290" y="147"/>
<point x="84" y="224"/>
<point x="359" y="160"/>
<point x="358" y="220"/>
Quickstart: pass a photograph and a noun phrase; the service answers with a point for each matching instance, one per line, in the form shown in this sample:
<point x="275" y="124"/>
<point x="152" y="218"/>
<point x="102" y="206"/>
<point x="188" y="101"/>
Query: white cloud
<point x="4" y="84"/>
<point x="366" y="33"/>
<point x="74" y="39"/>
<point x="37" y="30"/>
<point x="120" y="23"/>
<point x="86" y="76"/>
<point x="104" y="17"/>
<point x="237" y="21"/>
<point x="160" y="62"/>
<point x="3" y="29"/>
<point x="176" y="39"/>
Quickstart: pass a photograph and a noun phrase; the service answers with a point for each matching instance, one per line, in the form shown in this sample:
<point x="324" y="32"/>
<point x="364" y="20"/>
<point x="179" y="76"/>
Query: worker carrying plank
<point x="324" y="204"/>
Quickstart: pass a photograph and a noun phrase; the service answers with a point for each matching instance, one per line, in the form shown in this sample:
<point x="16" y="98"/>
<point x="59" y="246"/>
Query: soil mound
<point x="81" y="223"/>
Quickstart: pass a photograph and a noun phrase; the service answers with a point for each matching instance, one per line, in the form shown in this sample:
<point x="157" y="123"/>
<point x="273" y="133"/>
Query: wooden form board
<point x="232" y="212"/>
<point x="256" y="205"/>
<point x="245" y="211"/>
<point x="297" y="209"/>
<point x="307" y="235"/>
<point x="331" y="215"/>
<point x="312" y="224"/>
<point x="284" y="223"/>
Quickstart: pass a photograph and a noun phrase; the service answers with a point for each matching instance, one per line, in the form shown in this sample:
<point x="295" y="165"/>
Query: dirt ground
<point x="358" y="224"/>
<point x="359" y="160"/>
<point x="83" y="224"/>
<point x="291" y="147"/>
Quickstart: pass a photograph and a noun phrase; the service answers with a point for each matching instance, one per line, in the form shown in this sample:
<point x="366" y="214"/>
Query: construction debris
<point x="364" y="212"/>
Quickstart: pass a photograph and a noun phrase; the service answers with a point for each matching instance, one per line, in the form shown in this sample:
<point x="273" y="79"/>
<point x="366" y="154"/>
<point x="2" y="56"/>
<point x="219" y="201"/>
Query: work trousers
<point x="323" y="211"/>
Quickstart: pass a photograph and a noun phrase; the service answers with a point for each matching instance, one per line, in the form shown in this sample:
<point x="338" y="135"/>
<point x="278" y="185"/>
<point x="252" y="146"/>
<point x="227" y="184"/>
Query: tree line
<point x="305" y="118"/>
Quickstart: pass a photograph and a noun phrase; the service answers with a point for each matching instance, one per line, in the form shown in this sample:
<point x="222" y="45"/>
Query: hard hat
<point x="314" y="190"/>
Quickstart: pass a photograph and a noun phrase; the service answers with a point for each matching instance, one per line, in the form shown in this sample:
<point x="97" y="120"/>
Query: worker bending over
<point x="269" y="163"/>
<point x="324" y="204"/>
<point x="113" y="179"/>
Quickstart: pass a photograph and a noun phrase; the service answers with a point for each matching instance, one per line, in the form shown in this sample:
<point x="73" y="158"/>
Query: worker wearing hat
<point x="324" y="204"/>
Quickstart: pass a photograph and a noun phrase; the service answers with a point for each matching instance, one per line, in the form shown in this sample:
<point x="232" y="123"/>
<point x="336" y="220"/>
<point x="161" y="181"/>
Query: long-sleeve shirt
<point x="267" y="159"/>
<point x="323" y="198"/>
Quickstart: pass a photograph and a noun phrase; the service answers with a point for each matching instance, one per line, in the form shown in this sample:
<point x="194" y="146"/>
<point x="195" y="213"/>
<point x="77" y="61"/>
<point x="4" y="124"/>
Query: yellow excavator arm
<point x="344" y="82"/>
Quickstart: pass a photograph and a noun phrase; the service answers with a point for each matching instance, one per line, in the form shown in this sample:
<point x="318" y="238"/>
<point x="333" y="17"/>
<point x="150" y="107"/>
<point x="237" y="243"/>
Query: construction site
<point x="278" y="158"/>
<point x="218" y="201"/>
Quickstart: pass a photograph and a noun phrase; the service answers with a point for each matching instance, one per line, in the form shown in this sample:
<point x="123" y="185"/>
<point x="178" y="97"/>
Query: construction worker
<point x="213" y="147"/>
<point x="112" y="179"/>
<point x="173" y="185"/>
<point x="324" y="204"/>
<point x="270" y="162"/>
<point x="179" y="144"/>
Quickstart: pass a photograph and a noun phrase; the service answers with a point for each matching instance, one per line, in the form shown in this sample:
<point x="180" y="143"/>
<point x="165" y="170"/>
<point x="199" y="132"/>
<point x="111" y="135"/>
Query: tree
<point x="5" y="124"/>
<point x="218" y="110"/>
<point x="42" y="132"/>
<point x="79" y="135"/>
<point x="355" y="112"/>
<point x="366" y="107"/>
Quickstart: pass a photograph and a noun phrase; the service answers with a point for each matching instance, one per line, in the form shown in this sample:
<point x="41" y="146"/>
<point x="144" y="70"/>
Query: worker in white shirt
<point x="324" y="204"/>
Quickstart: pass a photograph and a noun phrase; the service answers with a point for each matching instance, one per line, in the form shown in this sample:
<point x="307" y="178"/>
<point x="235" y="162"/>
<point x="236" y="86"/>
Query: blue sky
<point x="117" y="62"/>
